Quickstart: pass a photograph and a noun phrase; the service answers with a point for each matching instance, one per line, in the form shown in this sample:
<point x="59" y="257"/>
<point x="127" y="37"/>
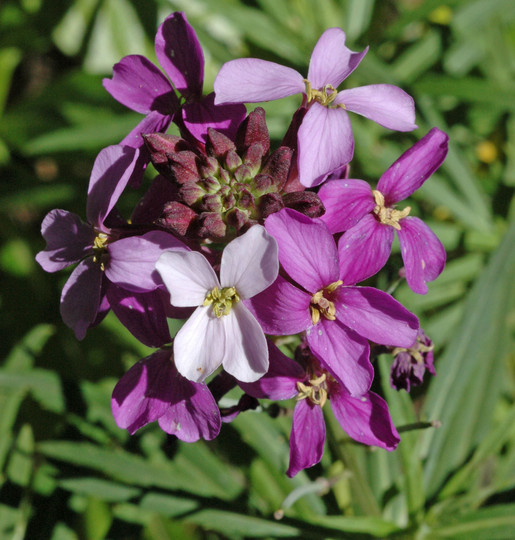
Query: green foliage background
<point x="67" y="472"/>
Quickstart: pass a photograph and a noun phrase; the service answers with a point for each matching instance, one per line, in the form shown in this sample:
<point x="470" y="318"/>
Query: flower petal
<point x="250" y="262"/>
<point x="375" y="315"/>
<point x="385" y="104"/>
<point x="345" y="353"/>
<point x="346" y="202"/>
<point x="307" y="437"/>
<point x="414" y="167"/>
<point x="331" y="61"/>
<point x="251" y="80"/>
<point x="325" y="143"/>
<point x="423" y="254"/>
<point x="364" y="250"/>
<point x="188" y="276"/>
<point x="246" y="350"/>
<point x="306" y="248"/>
<point x="139" y="85"/>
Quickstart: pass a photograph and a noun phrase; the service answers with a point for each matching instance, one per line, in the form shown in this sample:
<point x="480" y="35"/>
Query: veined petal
<point x="246" y="350"/>
<point x="345" y="353"/>
<point x="414" y="167"/>
<point x="385" y="104"/>
<point x="423" y="254"/>
<point x="251" y="80"/>
<point x="68" y="240"/>
<point x="188" y="276"/>
<point x="306" y="249"/>
<point x="199" y="346"/>
<point x="139" y="85"/>
<point x="307" y="437"/>
<point x="179" y="52"/>
<point x="376" y="316"/>
<point x="365" y="418"/>
<point x="331" y="61"/>
<point x="249" y="262"/>
<point x="364" y="250"/>
<point x="325" y="143"/>
<point x="346" y="201"/>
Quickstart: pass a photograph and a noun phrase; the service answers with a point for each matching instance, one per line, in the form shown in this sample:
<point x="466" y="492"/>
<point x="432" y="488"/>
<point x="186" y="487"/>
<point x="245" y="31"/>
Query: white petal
<point x="188" y="276"/>
<point x="250" y="262"/>
<point x="246" y="351"/>
<point x="198" y="347"/>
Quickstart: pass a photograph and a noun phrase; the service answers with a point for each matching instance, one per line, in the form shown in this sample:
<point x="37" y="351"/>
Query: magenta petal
<point x="375" y="315"/>
<point x="423" y="254"/>
<point x="385" y="104"/>
<point x="345" y="353"/>
<point x="139" y="85"/>
<point x="80" y="298"/>
<point x="143" y="314"/>
<point x="111" y="172"/>
<point x="282" y="309"/>
<point x="180" y="54"/>
<point x="331" y="61"/>
<point x="346" y="202"/>
<point x="307" y="250"/>
<point x="366" y="418"/>
<point x="144" y="393"/>
<point x="307" y="437"/>
<point x="250" y="80"/>
<point x="198" y="116"/>
<point x="414" y="167"/>
<point x="68" y="240"/>
<point x="325" y="143"/>
<point x="155" y="122"/>
<point x="364" y="250"/>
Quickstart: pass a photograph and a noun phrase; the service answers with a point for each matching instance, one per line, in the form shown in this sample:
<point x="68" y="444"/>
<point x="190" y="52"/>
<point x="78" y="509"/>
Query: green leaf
<point x="99" y="488"/>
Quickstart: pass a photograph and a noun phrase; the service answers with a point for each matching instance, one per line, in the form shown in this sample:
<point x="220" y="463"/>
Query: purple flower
<point x="111" y="271"/>
<point x="364" y="418"/>
<point x="325" y="139"/>
<point x="410" y="364"/>
<point x="221" y="330"/>
<point x="338" y="317"/>
<point x="370" y="217"/>
<point x="153" y="390"/>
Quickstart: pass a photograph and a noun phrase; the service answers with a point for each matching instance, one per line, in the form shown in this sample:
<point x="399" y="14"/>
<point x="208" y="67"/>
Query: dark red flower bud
<point x="217" y="145"/>
<point x="211" y="224"/>
<point x="177" y="217"/>
<point x="211" y="203"/>
<point x="190" y="193"/>
<point x="237" y="218"/>
<point x="306" y="202"/>
<point x="232" y="160"/>
<point x="278" y="166"/>
<point x="253" y="130"/>
<point x="269" y="204"/>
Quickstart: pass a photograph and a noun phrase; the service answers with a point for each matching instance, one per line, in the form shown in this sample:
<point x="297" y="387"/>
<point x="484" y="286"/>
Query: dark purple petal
<point x="155" y="122"/>
<point x="364" y="250"/>
<point x="345" y="353"/>
<point x="366" y="418"/>
<point x="80" y="298"/>
<point x="111" y="172"/>
<point x="414" y="167"/>
<point x="68" y="240"/>
<point x="423" y="254"/>
<point x="345" y="202"/>
<point x="139" y="85"/>
<point x="307" y="437"/>
<point x="307" y="250"/>
<point x="331" y="61"/>
<point x="376" y="316"/>
<point x="180" y="54"/>
<point x="325" y="143"/>
<point x="144" y="393"/>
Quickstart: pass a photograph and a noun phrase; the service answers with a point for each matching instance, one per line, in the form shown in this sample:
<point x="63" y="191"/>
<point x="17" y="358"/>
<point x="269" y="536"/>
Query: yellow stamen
<point x="325" y="96"/>
<point x="386" y="215"/>
<point x="99" y="248"/>
<point x="221" y="300"/>
<point x="320" y="305"/>
<point x="315" y="390"/>
<point x="416" y="351"/>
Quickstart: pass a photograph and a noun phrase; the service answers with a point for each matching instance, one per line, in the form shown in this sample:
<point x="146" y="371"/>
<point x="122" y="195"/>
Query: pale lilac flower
<point x="370" y="218"/>
<point x="325" y="140"/>
<point x="153" y="390"/>
<point x="221" y="331"/>
<point x="337" y="316"/>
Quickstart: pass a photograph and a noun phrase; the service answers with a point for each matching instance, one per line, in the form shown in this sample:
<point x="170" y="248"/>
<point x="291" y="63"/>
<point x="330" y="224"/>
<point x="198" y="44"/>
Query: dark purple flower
<point x="370" y="218"/>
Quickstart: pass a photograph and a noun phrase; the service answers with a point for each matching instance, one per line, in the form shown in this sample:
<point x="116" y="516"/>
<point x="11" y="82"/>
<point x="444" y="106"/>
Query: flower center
<point x="315" y="390"/>
<point x="321" y="305"/>
<point x="100" y="249"/>
<point x="221" y="300"/>
<point x="387" y="215"/>
<point x="416" y="351"/>
<point x="325" y="96"/>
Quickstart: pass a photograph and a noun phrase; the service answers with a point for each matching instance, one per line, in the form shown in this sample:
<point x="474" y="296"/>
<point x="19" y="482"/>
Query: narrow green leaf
<point x="99" y="488"/>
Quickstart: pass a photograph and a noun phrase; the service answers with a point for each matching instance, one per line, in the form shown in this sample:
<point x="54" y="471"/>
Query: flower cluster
<point x="247" y="244"/>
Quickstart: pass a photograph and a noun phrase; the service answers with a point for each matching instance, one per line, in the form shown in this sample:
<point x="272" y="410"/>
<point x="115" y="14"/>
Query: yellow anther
<point x="325" y="96"/>
<point x="416" y="351"/>
<point x="320" y="305"/>
<point x="315" y="390"/>
<point x="387" y="215"/>
<point x="99" y="248"/>
<point x="221" y="300"/>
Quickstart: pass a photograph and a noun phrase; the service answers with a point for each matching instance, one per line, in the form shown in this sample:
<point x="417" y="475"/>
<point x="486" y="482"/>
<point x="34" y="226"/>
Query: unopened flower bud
<point x="232" y="160"/>
<point x="269" y="204"/>
<point x="177" y="217"/>
<point x="306" y="202"/>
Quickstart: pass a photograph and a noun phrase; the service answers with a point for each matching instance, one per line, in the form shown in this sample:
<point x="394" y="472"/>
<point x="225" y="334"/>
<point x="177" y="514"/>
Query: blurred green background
<point x="67" y="471"/>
